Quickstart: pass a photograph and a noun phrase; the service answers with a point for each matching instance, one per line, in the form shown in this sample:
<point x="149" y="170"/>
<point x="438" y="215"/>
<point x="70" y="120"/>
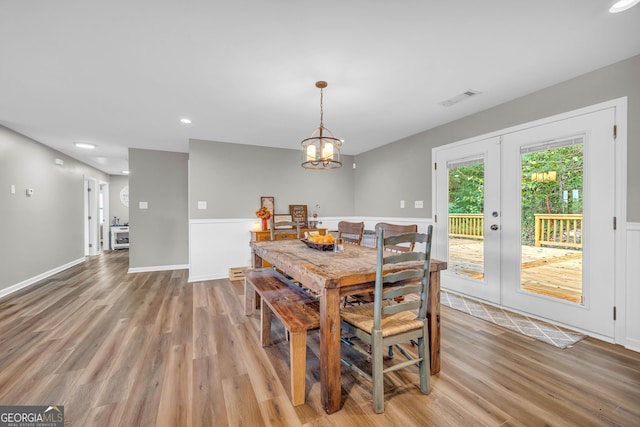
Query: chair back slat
<point x="403" y="275"/>
<point x="398" y="291"/>
<point x="403" y="257"/>
<point x="401" y="306"/>
<point x="406" y="238"/>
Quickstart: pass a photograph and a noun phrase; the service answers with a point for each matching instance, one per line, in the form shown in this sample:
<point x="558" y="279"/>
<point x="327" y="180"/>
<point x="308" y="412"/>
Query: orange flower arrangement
<point x="263" y="213"/>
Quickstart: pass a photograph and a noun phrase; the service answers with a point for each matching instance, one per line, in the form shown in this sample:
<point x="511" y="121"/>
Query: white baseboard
<point x="158" y="268"/>
<point x="32" y="280"/>
<point x="632" y="344"/>
<point x="204" y="278"/>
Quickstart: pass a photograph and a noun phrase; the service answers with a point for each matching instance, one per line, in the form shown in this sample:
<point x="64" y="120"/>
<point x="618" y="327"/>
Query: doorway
<point x="525" y="218"/>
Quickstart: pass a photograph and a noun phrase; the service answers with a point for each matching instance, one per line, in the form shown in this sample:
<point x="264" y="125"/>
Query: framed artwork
<point x="280" y="218"/>
<point x="269" y="203"/>
<point x="124" y="196"/>
<point x="299" y="213"/>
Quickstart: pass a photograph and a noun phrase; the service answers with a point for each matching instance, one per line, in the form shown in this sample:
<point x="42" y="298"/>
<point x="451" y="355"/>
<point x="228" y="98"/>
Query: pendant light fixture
<point x="321" y="150"/>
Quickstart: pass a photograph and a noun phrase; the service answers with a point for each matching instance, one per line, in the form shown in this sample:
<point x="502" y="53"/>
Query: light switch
<point x="143" y="205"/>
<point x="418" y="204"/>
<point x="13" y="189"/>
<point x="202" y="204"/>
<point x="401" y="204"/>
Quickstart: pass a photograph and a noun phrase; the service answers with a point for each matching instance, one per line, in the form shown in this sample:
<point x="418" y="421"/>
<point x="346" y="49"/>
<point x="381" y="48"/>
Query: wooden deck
<point x="549" y="271"/>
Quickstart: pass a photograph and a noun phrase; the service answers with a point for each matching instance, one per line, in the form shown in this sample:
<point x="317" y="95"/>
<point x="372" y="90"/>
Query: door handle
<point x="494" y="227"/>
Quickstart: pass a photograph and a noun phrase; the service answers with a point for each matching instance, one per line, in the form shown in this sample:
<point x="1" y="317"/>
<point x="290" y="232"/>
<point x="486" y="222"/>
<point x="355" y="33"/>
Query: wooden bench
<point x="297" y="311"/>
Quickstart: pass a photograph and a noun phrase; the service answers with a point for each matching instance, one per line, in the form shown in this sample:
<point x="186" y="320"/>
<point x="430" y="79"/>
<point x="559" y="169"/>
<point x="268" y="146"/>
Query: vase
<point x="265" y="225"/>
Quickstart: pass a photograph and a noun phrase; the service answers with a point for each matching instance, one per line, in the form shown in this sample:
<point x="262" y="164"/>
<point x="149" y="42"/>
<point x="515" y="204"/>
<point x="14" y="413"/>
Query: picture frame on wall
<point x="281" y="218"/>
<point x="269" y="203"/>
<point x="299" y="213"/>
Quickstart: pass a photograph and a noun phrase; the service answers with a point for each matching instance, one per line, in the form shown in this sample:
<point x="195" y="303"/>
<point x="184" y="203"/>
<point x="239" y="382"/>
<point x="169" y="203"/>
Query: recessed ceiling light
<point x="185" y="121"/>
<point x="622" y="5"/>
<point x="85" y="145"/>
<point x="125" y="172"/>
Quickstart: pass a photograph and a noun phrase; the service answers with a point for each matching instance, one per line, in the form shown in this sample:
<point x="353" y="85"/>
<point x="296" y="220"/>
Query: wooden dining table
<point x="333" y="276"/>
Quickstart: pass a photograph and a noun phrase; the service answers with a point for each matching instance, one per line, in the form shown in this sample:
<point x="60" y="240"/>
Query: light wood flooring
<point x="150" y="349"/>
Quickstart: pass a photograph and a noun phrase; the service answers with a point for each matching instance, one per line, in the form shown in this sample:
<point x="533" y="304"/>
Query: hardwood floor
<point x="150" y="349"/>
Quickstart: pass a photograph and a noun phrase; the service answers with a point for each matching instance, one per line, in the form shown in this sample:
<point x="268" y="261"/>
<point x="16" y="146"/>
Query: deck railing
<point x="469" y="226"/>
<point x="560" y="230"/>
<point x="556" y="230"/>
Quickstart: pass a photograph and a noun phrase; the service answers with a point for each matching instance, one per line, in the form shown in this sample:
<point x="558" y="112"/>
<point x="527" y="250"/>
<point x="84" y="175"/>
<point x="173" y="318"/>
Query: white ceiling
<point x="122" y="73"/>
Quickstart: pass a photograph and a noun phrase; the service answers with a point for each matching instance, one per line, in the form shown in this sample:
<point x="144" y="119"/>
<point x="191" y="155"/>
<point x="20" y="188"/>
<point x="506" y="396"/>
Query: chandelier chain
<point x="321" y="109"/>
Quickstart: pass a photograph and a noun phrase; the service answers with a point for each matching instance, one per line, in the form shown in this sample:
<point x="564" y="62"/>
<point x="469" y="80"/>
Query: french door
<point x="468" y="217"/>
<point x="579" y="240"/>
<point x="525" y="219"/>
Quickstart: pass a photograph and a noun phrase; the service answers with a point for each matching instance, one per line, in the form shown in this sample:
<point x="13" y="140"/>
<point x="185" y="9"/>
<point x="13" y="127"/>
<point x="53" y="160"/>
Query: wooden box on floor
<point x="236" y="273"/>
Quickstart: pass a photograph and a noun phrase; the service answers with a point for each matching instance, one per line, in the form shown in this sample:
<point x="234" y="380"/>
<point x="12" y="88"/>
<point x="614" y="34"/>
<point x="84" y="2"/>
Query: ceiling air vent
<point x="458" y="98"/>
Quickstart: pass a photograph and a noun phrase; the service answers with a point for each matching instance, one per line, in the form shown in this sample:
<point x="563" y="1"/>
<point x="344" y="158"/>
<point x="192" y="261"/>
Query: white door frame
<point x="620" y="281"/>
<point x="91" y="228"/>
<point x="104" y="189"/>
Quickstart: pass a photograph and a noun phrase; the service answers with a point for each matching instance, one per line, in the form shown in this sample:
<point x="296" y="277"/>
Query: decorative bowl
<point x="318" y="246"/>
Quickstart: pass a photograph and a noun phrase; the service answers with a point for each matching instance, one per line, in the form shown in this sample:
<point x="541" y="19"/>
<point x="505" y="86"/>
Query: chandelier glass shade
<point x="321" y="150"/>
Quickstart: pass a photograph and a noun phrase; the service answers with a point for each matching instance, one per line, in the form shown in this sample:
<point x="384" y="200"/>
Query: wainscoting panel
<point x="632" y="309"/>
<point x="215" y="245"/>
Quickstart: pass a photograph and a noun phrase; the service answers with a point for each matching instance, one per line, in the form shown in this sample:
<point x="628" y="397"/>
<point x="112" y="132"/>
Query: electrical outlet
<point x="418" y="204"/>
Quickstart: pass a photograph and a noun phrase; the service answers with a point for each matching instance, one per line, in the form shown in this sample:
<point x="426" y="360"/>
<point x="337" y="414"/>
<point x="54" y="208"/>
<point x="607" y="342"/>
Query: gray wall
<point x="158" y="235"/>
<point x="44" y="231"/>
<point x="374" y="189"/>
<point x="231" y="178"/>
<point x="394" y="172"/>
<point x="116" y="208"/>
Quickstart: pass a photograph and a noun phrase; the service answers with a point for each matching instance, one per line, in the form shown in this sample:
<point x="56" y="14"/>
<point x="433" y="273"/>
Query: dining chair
<point x="389" y="230"/>
<point x="392" y="230"/>
<point x="284" y="230"/>
<point x="387" y="322"/>
<point x="351" y="232"/>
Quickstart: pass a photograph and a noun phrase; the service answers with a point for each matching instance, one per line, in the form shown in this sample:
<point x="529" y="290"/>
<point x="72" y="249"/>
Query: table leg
<point x="256" y="260"/>
<point x="330" y="385"/>
<point x="433" y="315"/>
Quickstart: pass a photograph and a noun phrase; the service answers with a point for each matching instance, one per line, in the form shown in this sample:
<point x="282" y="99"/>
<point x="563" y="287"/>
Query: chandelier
<point x="321" y="150"/>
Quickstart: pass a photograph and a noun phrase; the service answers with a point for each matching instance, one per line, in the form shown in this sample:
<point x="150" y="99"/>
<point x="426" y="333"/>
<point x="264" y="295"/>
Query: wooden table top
<point x="317" y="269"/>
